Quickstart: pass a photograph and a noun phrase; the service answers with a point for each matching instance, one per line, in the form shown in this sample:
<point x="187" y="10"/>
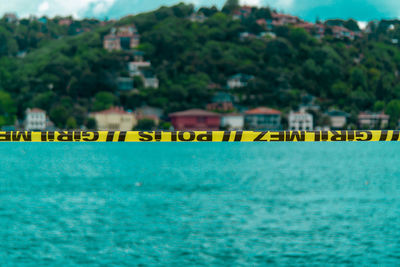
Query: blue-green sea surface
<point x="221" y="204"/>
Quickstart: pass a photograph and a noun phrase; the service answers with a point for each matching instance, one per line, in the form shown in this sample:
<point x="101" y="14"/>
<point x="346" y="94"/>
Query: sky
<point x="362" y="10"/>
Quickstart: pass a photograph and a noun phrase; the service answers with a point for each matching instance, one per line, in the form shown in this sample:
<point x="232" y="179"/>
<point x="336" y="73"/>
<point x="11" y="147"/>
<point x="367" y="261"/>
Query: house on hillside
<point x="262" y="118"/>
<point x="37" y="120"/>
<point x="239" y="80"/>
<point x="316" y="30"/>
<point x="221" y="102"/>
<point x="342" y="32"/>
<point x="65" y="22"/>
<point x="114" y="119"/>
<point x="10" y="17"/>
<point x="338" y="119"/>
<point x="279" y="19"/>
<point x="242" y="12"/>
<point x="122" y="38"/>
<point x="125" y="83"/>
<point x="232" y="121"/>
<point x="135" y="67"/>
<point x="151" y="113"/>
<point x="195" y="119"/>
<point x="149" y="79"/>
<point x="300" y="121"/>
<point x="372" y="120"/>
<point x="197" y="17"/>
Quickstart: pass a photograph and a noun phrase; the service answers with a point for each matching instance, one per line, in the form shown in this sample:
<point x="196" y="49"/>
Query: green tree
<point x="103" y="100"/>
<point x="71" y="123"/>
<point x="91" y="124"/>
<point x="59" y="115"/>
<point x="145" y="125"/>
<point x="7" y="109"/>
<point x="393" y="110"/>
<point x="230" y="6"/>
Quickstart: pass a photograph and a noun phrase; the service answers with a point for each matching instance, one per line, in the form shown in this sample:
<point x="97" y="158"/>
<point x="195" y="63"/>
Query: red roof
<point x="340" y="29"/>
<point x="36" y="110"/>
<point x="305" y="25"/>
<point x="263" y="111"/>
<point x="194" y="112"/>
<point x="112" y="110"/>
<point x="368" y="115"/>
<point x="279" y="15"/>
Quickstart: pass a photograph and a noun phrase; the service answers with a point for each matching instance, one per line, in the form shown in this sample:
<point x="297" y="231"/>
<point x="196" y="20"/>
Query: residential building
<point x="317" y="30"/>
<point x="284" y="19"/>
<point x="262" y="118"/>
<point x="220" y="106"/>
<point x="221" y="102"/>
<point x="35" y="119"/>
<point x="150" y="80"/>
<point x="151" y="113"/>
<point x="232" y="121"/>
<point x="371" y="120"/>
<point x="122" y="38"/>
<point x="43" y="20"/>
<point x="135" y="67"/>
<point x="342" y="32"/>
<point x="242" y="12"/>
<point x="338" y="119"/>
<point x="300" y="121"/>
<point x="197" y="17"/>
<point x="125" y="83"/>
<point x="239" y="80"/>
<point x="112" y="42"/>
<point x="246" y="36"/>
<point x="115" y="119"/>
<point x="10" y="17"/>
<point x="65" y="22"/>
<point x="195" y="119"/>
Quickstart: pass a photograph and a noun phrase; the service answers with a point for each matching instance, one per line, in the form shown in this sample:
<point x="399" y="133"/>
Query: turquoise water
<point x="199" y="204"/>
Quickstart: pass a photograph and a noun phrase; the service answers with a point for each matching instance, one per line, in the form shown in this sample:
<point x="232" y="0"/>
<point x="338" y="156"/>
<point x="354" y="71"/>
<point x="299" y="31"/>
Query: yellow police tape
<point x="200" y="136"/>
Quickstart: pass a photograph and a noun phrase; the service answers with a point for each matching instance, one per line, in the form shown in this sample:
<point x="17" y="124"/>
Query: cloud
<point x="362" y="24"/>
<point x="43" y="7"/>
<point x="76" y="8"/>
<point x="251" y="2"/>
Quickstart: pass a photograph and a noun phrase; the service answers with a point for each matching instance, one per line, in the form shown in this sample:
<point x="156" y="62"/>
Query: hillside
<point x="64" y="69"/>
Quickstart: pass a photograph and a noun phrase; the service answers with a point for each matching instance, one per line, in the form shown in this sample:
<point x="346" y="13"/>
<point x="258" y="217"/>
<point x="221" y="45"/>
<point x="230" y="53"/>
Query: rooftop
<point x="35" y="110"/>
<point x="112" y="110"/>
<point x="194" y="112"/>
<point x="263" y="111"/>
<point x="368" y="115"/>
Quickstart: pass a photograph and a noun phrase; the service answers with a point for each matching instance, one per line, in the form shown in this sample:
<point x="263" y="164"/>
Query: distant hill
<point x="60" y="64"/>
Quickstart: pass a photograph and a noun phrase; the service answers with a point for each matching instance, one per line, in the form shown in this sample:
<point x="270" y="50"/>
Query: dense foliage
<point x="68" y="73"/>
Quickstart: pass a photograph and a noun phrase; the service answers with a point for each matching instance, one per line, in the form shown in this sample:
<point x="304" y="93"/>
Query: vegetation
<point x="68" y="73"/>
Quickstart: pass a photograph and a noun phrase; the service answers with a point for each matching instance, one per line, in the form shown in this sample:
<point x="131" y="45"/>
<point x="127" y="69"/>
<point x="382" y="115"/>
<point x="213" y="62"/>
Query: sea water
<point x="174" y="204"/>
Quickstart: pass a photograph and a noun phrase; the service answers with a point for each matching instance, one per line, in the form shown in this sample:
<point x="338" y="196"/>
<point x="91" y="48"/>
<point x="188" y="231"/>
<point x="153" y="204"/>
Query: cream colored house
<point x="114" y="119"/>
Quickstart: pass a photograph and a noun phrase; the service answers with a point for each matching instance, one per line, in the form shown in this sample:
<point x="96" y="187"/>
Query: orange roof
<point x="263" y="111"/>
<point x="194" y="112"/>
<point x="112" y="110"/>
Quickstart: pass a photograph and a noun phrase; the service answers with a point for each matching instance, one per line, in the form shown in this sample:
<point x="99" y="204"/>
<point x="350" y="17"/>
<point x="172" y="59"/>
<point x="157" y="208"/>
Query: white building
<point x="151" y="82"/>
<point x="135" y="67"/>
<point x="300" y="121"/>
<point x="35" y="119"/>
<point x="338" y="119"/>
<point x="370" y="120"/>
<point x="232" y="121"/>
<point x="239" y="80"/>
